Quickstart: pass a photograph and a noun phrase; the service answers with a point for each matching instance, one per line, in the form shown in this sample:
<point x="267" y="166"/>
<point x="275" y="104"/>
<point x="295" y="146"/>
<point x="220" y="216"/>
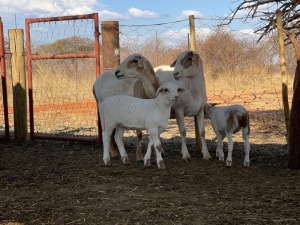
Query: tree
<point x="291" y="27"/>
<point x="68" y="45"/>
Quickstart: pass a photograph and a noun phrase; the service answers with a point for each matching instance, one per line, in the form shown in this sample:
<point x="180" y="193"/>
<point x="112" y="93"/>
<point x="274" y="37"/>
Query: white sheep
<point x="126" y="112"/>
<point x="142" y="83"/>
<point x="188" y="73"/>
<point x="227" y="120"/>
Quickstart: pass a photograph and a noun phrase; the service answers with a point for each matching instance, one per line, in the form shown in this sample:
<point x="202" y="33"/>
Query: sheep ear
<point x="173" y="63"/>
<point x="196" y="59"/>
<point x="141" y="63"/>
<point x="159" y="90"/>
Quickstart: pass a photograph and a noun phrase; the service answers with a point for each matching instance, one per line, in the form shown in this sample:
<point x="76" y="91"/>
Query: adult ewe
<point x="143" y="84"/>
<point x="188" y="73"/>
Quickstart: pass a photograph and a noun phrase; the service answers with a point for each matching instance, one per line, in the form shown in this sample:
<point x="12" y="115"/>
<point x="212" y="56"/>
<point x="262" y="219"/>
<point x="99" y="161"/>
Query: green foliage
<point x="67" y="46"/>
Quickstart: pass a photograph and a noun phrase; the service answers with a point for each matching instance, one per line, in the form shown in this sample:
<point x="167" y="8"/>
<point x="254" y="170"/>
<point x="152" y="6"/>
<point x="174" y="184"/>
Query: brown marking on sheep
<point x="244" y="121"/>
<point x="230" y="121"/>
<point x="187" y="63"/>
<point x="161" y="165"/>
<point x="130" y="63"/>
<point x="139" y="90"/>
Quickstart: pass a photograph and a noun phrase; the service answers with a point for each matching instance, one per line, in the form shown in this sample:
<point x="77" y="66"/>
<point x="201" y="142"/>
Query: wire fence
<point x="237" y="68"/>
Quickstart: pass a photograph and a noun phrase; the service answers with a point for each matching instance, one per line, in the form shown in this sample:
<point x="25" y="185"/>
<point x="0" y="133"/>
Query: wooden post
<point x="3" y="79"/>
<point x="16" y="43"/>
<point x="110" y="45"/>
<point x="192" y="46"/>
<point x="285" y="99"/>
<point x="192" y="33"/>
<point x="294" y="133"/>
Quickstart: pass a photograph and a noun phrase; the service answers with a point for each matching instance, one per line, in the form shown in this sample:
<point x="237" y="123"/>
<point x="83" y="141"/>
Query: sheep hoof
<point x="125" y="160"/>
<point x="147" y="162"/>
<point x="161" y="165"/>
<point x="186" y="157"/>
<point x="246" y="163"/>
<point x="206" y="156"/>
<point x="221" y="158"/>
<point x="188" y="160"/>
<point x="107" y="162"/>
<point x="228" y="163"/>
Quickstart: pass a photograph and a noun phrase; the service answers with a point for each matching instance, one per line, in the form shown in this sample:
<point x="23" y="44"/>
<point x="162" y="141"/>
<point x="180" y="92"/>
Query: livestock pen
<point x="65" y="182"/>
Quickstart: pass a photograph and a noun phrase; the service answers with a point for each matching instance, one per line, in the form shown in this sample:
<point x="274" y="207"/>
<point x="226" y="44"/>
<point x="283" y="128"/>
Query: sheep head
<point x="170" y="91"/>
<point x="187" y="64"/>
<point x="208" y="109"/>
<point x="134" y="66"/>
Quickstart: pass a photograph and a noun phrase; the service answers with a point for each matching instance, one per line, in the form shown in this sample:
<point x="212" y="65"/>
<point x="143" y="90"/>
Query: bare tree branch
<point x="266" y="11"/>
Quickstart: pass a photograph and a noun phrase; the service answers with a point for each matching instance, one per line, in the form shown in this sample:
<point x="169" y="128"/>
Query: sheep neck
<point x="163" y="106"/>
<point x="196" y="85"/>
<point x="150" y="84"/>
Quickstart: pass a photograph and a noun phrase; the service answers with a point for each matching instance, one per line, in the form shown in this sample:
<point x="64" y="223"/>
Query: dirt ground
<point x="50" y="182"/>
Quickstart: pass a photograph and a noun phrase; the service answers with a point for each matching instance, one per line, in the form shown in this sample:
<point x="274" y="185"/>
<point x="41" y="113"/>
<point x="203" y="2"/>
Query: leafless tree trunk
<point x="294" y="138"/>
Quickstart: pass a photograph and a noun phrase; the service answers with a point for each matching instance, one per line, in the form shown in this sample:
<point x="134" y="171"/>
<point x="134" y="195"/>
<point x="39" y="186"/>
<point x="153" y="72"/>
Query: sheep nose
<point x="117" y="72"/>
<point x="175" y="73"/>
<point x="176" y="98"/>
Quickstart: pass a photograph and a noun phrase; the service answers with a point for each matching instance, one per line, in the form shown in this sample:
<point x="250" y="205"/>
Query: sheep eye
<point x="166" y="90"/>
<point x="134" y="61"/>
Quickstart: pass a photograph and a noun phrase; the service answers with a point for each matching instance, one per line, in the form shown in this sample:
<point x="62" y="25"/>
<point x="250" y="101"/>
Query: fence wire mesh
<point x="62" y="88"/>
<point x="237" y="68"/>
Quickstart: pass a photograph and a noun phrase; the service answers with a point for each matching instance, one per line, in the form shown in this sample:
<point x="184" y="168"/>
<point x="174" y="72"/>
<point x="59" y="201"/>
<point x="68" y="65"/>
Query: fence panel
<point x="63" y="61"/>
<point x="4" y="126"/>
<point x="238" y="70"/>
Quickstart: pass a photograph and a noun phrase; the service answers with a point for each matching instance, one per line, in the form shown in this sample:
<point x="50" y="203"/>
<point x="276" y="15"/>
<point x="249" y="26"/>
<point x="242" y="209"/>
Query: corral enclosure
<point x="50" y="182"/>
<point x="237" y="69"/>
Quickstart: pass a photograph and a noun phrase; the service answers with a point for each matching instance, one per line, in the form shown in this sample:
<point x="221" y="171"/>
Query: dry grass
<point x="63" y="99"/>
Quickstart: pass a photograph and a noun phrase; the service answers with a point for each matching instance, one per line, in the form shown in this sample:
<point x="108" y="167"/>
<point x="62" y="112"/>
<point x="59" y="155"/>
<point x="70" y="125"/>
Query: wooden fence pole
<point x="110" y="45"/>
<point x="294" y="133"/>
<point x="16" y="43"/>
<point x="192" y="46"/>
<point x="283" y="71"/>
<point x="192" y="33"/>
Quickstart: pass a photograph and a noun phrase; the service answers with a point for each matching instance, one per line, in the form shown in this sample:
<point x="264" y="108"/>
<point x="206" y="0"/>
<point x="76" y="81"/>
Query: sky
<point x="134" y="12"/>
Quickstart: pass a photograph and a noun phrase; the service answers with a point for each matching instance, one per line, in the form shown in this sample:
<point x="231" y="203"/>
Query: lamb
<point x="143" y="84"/>
<point x="226" y="121"/>
<point x="122" y="112"/>
<point x="188" y="73"/>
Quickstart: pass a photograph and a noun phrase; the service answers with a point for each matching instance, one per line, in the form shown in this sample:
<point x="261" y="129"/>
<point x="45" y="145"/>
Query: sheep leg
<point x="246" y="146"/>
<point x="180" y="122"/>
<point x="147" y="158"/>
<point x="139" y="154"/>
<point x="219" y="150"/>
<point x="112" y="150"/>
<point x="106" y="143"/>
<point x="230" y="148"/>
<point x="119" y="140"/>
<point x="200" y="122"/>
<point x="154" y="135"/>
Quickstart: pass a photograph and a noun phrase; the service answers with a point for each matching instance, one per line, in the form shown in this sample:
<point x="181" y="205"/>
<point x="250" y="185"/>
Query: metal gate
<point x="4" y="106"/>
<point x="63" y="59"/>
